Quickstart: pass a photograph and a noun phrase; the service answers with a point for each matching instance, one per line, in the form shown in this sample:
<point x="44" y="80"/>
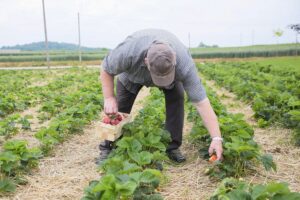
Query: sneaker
<point x="176" y="155"/>
<point x="105" y="149"/>
<point x="103" y="156"/>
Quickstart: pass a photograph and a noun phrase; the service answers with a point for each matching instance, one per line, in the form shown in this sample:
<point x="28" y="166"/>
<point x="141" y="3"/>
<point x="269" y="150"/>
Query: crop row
<point x="233" y="189"/>
<point x="247" y="54"/>
<point x="274" y="95"/>
<point x="131" y="170"/>
<point x="18" y="91"/>
<point x="52" y="99"/>
<point x="241" y="154"/>
<point x="17" y="159"/>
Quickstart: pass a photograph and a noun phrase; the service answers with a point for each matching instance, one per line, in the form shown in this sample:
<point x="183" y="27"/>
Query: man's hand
<point x="216" y="146"/>
<point x="110" y="106"/>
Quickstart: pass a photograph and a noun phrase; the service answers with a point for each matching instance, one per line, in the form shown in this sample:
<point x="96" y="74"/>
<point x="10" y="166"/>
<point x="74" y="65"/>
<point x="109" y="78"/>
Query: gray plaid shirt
<point x="127" y="61"/>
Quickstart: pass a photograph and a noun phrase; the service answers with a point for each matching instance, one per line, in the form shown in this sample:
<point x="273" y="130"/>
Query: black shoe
<point x="105" y="149"/>
<point x="158" y="165"/>
<point x="176" y="155"/>
<point x="103" y="156"/>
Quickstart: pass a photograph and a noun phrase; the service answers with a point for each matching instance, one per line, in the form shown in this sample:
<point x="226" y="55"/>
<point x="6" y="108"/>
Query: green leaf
<point x="127" y="188"/>
<point x="239" y="195"/>
<point x="277" y="188"/>
<point x="7" y="185"/>
<point x="8" y="161"/>
<point x="259" y="192"/>
<point x="290" y="196"/>
<point x="106" y="183"/>
<point x="149" y="175"/>
<point x="268" y="163"/>
<point x="142" y="158"/>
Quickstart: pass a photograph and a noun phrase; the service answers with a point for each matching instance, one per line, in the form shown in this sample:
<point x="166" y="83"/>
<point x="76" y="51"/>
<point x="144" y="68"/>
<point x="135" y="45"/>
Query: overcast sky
<point x="105" y="23"/>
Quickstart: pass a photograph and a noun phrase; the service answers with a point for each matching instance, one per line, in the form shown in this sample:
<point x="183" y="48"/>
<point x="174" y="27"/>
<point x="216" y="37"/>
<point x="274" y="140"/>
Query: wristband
<point x="217" y="139"/>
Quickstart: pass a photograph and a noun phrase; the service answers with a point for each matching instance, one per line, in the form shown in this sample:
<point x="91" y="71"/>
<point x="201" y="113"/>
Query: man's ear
<point x="146" y="62"/>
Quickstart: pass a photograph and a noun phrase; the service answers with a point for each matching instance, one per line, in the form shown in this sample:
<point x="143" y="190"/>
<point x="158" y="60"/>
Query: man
<point x="157" y="58"/>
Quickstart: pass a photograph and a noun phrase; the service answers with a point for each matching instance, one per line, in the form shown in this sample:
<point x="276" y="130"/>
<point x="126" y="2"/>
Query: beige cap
<point x="161" y="60"/>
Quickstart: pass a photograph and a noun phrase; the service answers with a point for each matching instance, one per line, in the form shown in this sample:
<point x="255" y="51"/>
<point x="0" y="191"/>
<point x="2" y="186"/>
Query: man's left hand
<point x="216" y="146"/>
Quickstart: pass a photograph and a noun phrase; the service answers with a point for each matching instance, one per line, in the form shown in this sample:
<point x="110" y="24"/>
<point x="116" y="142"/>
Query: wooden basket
<point x="112" y="132"/>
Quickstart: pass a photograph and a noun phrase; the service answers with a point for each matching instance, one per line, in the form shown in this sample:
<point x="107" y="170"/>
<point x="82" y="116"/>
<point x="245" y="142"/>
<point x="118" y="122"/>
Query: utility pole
<point x="46" y="39"/>
<point x="79" y="42"/>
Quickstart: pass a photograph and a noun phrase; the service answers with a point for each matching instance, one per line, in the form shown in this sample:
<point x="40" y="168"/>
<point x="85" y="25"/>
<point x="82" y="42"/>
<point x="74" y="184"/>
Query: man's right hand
<point x="110" y="106"/>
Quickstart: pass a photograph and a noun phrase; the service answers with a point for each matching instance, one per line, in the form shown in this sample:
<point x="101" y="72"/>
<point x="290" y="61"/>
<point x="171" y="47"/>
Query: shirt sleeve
<point x="117" y="61"/>
<point x="193" y="86"/>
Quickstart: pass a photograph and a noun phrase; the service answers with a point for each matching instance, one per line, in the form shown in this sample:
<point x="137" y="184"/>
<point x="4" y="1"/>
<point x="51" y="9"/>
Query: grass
<point x="247" y="51"/>
<point x="52" y="63"/>
<point x="253" y="48"/>
<point x="290" y="61"/>
<point x="287" y="62"/>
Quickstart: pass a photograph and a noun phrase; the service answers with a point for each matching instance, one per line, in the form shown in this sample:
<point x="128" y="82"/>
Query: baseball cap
<point x="161" y="63"/>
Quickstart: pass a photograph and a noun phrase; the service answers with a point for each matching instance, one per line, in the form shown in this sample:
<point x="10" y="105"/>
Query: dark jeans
<point x="174" y="99"/>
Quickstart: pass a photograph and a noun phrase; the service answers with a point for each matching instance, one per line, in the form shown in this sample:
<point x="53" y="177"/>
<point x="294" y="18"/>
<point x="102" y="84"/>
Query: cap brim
<point x="163" y="81"/>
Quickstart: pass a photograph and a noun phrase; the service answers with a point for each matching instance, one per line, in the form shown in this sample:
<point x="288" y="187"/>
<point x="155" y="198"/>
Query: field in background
<point x="292" y="49"/>
<point x="38" y="58"/>
<point x="286" y="61"/>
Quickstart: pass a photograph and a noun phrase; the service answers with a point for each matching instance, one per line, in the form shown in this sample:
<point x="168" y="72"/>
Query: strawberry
<point x="119" y="117"/>
<point x="114" y="122"/>
<point x="213" y="158"/>
<point x="106" y="120"/>
<point x="117" y="121"/>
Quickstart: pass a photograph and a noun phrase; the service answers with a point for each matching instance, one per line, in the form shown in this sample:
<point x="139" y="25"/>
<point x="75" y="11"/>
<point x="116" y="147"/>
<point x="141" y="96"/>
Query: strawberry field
<point x="48" y="141"/>
<point x="273" y="92"/>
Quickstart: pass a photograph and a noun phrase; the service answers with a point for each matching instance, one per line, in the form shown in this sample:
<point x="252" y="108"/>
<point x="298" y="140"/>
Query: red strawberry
<point x="106" y="120"/>
<point x="119" y="117"/>
<point x="114" y="122"/>
<point x="117" y="121"/>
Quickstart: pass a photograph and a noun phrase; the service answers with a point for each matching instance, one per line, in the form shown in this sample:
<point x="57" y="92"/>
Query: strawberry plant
<point x="240" y="150"/>
<point x="77" y="109"/>
<point x="28" y="157"/>
<point x="8" y="125"/>
<point x="6" y="185"/>
<point x="16" y="159"/>
<point x="233" y="189"/>
<point x="129" y="171"/>
<point x="273" y="93"/>
<point x="71" y="121"/>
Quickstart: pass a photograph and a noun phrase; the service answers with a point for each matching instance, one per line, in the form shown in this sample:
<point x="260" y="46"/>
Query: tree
<point x="202" y="45"/>
<point x="278" y="33"/>
<point x="296" y="28"/>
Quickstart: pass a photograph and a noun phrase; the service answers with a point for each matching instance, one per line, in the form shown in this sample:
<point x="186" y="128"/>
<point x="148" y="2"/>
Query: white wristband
<point x="217" y="139"/>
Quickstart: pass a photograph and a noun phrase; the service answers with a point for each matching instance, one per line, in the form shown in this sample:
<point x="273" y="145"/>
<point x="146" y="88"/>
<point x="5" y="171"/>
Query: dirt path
<point x="69" y="170"/>
<point x="273" y="140"/>
<point x="188" y="181"/>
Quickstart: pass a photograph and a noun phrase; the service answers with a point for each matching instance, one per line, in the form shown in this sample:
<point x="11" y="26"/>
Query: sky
<point x="106" y="23"/>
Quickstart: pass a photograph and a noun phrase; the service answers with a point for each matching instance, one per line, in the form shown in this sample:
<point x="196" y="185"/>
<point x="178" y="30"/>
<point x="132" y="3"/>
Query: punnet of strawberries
<point x="112" y="119"/>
